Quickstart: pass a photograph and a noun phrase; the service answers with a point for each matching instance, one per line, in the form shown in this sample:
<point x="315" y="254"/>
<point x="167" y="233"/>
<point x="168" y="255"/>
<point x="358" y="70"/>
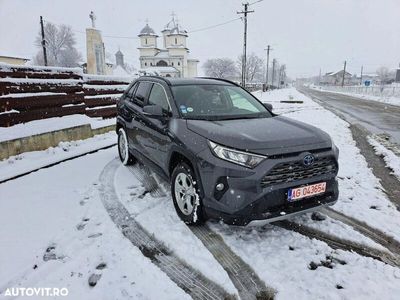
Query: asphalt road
<point x="377" y="117"/>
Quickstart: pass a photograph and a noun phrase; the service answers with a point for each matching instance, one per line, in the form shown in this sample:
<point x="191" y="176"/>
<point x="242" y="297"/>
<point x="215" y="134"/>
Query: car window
<point x="129" y="94"/>
<point x="141" y="93"/>
<point x="217" y="102"/>
<point x="241" y="102"/>
<point x="158" y="97"/>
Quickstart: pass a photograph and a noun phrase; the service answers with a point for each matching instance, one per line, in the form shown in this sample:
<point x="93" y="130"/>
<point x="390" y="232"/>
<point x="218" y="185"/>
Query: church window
<point x="172" y="64"/>
<point x="176" y="41"/>
<point x="151" y="64"/>
<point x="179" y="63"/>
<point x="145" y="64"/>
<point x="162" y="63"/>
<point x="146" y="41"/>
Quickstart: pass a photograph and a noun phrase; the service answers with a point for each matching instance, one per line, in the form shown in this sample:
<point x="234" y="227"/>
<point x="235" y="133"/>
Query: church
<point x="172" y="60"/>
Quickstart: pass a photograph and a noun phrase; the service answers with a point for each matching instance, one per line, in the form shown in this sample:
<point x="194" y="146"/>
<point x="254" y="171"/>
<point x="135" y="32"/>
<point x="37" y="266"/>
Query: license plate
<point x="306" y="191"/>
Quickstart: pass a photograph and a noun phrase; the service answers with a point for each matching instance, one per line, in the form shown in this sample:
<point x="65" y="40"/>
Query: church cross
<point x="93" y="18"/>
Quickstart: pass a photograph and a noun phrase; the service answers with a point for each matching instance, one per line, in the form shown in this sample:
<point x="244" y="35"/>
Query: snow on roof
<point x="147" y="30"/>
<point x="42" y="68"/>
<point x="162" y="54"/>
<point x="337" y="72"/>
<point x="120" y="71"/>
<point x="174" y="28"/>
<point x="159" y="70"/>
<point x="14" y="56"/>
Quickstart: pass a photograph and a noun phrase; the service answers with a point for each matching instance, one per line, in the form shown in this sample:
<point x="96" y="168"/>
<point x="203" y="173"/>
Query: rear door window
<point x="141" y="93"/>
<point x="129" y="94"/>
<point x="158" y="97"/>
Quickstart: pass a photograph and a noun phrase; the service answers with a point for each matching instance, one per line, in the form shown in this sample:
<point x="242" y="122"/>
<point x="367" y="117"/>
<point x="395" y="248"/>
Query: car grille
<point x="293" y="171"/>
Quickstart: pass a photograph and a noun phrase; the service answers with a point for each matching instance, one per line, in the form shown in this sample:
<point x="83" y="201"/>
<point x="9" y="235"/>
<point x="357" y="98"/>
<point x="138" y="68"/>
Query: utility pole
<point x="344" y="72"/>
<point x="266" y="75"/>
<point x="244" y="12"/>
<point x="273" y="71"/>
<point x="43" y="42"/>
<point x="319" y="77"/>
<point x="361" y="77"/>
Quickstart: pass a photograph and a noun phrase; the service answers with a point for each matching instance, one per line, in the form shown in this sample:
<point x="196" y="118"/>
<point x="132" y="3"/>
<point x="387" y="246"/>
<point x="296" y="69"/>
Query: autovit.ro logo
<point x="35" y="292"/>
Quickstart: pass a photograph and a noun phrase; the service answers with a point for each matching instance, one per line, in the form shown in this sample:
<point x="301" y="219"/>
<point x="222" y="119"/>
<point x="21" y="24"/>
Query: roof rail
<point x="221" y="79"/>
<point x="157" y="77"/>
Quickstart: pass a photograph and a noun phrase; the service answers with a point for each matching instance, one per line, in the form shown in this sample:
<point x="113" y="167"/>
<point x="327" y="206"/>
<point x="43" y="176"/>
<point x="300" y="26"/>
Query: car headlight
<point x="246" y="159"/>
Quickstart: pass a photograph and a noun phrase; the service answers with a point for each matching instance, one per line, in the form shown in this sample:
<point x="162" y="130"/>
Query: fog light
<point x="219" y="186"/>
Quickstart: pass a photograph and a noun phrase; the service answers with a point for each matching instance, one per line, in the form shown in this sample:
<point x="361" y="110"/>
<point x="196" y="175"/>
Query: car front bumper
<point x="244" y="197"/>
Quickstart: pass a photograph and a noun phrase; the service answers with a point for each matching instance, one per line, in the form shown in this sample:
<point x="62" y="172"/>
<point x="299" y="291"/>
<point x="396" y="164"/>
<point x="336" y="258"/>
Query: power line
<point x="213" y="26"/>
<point x="136" y="38"/>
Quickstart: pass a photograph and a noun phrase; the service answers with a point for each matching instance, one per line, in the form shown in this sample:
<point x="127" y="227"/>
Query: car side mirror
<point x="155" y="111"/>
<point x="268" y="106"/>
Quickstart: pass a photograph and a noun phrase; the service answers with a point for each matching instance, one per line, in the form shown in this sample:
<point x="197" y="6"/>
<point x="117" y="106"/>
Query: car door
<point x="156" y="139"/>
<point x="134" y="107"/>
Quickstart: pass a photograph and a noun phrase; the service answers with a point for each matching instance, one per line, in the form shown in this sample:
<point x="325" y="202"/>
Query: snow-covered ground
<point x="28" y="161"/>
<point x="391" y="159"/>
<point x="51" y="124"/>
<point x="393" y="100"/>
<point x="54" y="230"/>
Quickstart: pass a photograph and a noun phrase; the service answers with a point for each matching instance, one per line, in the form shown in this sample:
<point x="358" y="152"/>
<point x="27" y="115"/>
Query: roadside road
<point x="376" y="117"/>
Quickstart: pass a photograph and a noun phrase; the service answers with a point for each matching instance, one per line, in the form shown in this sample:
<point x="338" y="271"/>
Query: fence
<point x="375" y="90"/>
<point x="33" y="93"/>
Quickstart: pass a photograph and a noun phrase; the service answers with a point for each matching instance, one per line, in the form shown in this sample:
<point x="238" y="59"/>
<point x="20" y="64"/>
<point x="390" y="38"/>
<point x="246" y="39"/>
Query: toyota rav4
<point x="225" y="153"/>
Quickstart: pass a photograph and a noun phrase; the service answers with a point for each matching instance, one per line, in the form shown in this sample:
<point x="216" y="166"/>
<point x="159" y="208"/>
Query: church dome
<point x="147" y="30"/>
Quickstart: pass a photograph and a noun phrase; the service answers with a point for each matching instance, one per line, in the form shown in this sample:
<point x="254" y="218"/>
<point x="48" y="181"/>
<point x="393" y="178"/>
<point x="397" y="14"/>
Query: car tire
<point x="186" y="195"/>
<point x="123" y="148"/>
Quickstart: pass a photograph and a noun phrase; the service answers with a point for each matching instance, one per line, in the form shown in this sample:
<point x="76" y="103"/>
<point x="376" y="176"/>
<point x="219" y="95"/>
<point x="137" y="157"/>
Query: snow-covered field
<point x="55" y="232"/>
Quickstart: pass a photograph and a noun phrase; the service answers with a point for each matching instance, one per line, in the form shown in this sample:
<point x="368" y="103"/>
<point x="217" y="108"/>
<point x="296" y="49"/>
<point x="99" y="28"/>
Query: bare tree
<point x="60" y="45"/>
<point x="383" y="74"/>
<point x="220" y="68"/>
<point x="254" y="67"/>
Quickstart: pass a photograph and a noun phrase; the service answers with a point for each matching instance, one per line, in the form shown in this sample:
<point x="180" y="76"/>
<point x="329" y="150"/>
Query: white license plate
<point x="306" y="191"/>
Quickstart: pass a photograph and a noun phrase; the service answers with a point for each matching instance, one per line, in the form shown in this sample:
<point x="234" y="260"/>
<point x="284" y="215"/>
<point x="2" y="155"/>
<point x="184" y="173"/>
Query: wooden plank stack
<point x="34" y="93"/>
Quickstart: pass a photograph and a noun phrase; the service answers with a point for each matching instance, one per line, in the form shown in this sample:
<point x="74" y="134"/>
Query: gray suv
<point x="226" y="155"/>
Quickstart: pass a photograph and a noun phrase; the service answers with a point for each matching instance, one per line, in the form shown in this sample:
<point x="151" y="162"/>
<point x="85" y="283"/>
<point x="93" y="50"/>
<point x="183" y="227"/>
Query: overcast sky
<point x="306" y="35"/>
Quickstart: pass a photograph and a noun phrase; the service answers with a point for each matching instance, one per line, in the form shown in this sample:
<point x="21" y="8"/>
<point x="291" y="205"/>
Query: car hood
<point x="262" y="135"/>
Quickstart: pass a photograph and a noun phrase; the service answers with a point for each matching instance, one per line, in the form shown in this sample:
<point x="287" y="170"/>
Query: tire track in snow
<point x="374" y="234"/>
<point x="187" y="278"/>
<point x="243" y="277"/>
<point x="339" y="243"/>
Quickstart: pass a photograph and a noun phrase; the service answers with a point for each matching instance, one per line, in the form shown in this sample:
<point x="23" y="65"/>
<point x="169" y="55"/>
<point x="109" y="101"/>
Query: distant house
<point x="13" y="60"/>
<point x="335" y="78"/>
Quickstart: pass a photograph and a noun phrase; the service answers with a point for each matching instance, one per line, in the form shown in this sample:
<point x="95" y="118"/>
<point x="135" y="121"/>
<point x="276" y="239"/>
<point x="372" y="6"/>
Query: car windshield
<point x="217" y="102"/>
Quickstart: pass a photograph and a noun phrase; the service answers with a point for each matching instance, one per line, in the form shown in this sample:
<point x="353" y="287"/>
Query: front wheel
<point x="123" y="148"/>
<point x="185" y="195"/>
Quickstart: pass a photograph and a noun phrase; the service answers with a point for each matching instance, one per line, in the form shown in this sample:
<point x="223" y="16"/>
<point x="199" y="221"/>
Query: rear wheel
<point x="123" y="148"/>
<point x="185" y="194"/>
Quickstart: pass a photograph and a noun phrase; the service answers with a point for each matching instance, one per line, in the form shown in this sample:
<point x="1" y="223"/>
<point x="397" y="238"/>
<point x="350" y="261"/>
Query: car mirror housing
<point x="268" y="106"/>
<point x="154" y="111"/>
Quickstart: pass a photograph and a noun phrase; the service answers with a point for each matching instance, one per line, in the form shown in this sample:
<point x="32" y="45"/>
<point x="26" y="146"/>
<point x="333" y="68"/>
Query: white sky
<point x="305" y="34"/>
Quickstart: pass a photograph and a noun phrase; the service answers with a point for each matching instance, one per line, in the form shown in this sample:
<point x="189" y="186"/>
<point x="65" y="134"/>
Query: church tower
<point x="175" y="42"/>
<point x="148" y="45"/>
<point x="172" y="58"/>
<point x="119" y="59"/>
